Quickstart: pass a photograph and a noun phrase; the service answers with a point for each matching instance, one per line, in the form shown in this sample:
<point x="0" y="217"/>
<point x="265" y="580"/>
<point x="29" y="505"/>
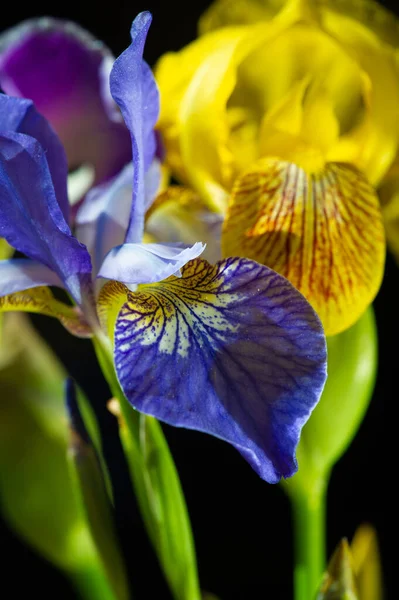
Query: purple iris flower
<point x="64" y="70"/>
<point x="230" y="349"/>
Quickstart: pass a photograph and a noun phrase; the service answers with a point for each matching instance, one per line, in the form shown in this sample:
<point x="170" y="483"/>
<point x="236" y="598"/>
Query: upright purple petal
<point x="146" y="263"/>
<point x="18" y="274"/>
<point x="59" y="66"/>
<point x="134" y="89"/>
<point x="30" y="218"/>
<point x="22" y="117"/>
<point x="233" y="350"/>
<point x="103" y="217"/>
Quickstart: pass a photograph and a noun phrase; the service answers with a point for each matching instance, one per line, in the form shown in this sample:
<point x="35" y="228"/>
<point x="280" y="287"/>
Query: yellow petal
<point x="389" y="196"/>
<point x="180" y="76"/>
<point x="339" y="580"/>
<point x="180" y="214"/>
<point x="322" y="231"/>
<point x="371" y="14"/>
<point x="198" y="90"/>
<point x="366" y="563"/>
<point x="41" y="300"/>
<point x="374" y="149"/>
<point x="237" y="12"/>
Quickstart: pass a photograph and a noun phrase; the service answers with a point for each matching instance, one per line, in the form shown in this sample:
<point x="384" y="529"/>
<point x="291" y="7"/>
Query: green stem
<point x="91" y="583"/>
<point x="309" y="514"/>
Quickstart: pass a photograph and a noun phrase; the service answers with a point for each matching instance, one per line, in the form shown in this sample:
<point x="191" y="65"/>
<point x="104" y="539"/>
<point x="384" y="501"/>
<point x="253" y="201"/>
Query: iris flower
<point x="63" y="69"/>
<point x="230" y="349"/>
<point x="282" y="116"/>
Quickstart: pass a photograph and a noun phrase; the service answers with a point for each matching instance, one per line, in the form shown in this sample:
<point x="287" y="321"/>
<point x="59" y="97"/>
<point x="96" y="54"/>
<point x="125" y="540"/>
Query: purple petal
<point x="134" y="89"/>
<point x="19" y="274"/>
<point x="59" y="66"/>
<point x="233" y="350"/>
<point x="30" y="218"/>
<point x="146" y="263"/>
<point x="20" y="116"/>
<point x="103" y="217"/>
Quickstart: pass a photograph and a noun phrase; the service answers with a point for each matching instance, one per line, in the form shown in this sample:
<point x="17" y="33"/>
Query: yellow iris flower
<point x="283" y="116"/>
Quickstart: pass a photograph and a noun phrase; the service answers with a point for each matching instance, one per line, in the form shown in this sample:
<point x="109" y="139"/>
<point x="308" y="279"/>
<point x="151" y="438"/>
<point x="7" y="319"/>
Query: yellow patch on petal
<point x="40" y="300"/>
<point x="5" y="250"/>
<point x="322" y="231"/>
<point x="111" y="299"/>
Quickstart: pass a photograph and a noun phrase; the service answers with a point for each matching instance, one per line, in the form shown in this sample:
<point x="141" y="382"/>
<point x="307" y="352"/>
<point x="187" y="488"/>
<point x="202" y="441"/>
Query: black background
<point x="242" y="526"/>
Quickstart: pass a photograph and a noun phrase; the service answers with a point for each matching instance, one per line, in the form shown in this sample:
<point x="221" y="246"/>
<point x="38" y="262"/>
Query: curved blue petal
<point x="134" y="89"/>
<point x="30" y="218"/>
<point x="103" y="217"/>
<point x="60" y="66"/>
<point x="20" y="116"/>
<point x="233" y="350"/>
<point x="146" y="263"/>
<point x="18" y="274"/>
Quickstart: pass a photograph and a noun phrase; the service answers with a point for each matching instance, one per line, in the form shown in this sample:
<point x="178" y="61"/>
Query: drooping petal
<point x="147" y="263"/>
<point x="180" y="214"/>
<point x="31" y="220"/>
<point x="20" y="116"/>
<point x="41" y="300"/>
<point x="323" y="232"/>
<point x="58" y="65"/>
<point x="134" y="89"/>
<point x="17" y="274"/>
<point x="232" y="350"/>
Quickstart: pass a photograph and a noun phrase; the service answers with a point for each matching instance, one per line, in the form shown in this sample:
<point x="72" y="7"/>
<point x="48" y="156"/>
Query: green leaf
<point x="88" y="477"/>
<point x="38" y="496"/>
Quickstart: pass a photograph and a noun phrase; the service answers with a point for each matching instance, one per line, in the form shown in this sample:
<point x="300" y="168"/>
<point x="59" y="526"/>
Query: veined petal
<point x="322" y="231"/>
<point x="180" y="214"/>
<point x="41" y="300"/>
<point x="17" y="274"/>
<point x="147" y="263"/>
<point x="134" y="89"/>
<point x="31" y="220"/>
<point x="59" y="66"/>
<point x="232" y="350"/>
<point x="22" y="117"/>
